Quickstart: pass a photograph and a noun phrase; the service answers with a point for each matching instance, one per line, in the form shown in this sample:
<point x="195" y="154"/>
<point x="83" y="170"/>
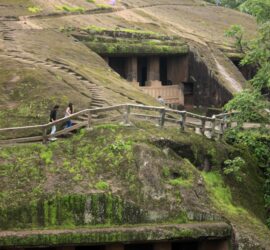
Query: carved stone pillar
<point x="177" y="67"/>
<point x="132" y="69"/>
<point x="153" y="71"/>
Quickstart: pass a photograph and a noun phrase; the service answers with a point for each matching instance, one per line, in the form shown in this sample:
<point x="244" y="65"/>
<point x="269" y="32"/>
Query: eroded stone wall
<point x="207" y="91"/>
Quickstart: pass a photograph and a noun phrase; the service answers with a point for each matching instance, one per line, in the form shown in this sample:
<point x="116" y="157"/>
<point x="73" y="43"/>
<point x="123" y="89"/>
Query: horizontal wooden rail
<point x="212" y="125"/>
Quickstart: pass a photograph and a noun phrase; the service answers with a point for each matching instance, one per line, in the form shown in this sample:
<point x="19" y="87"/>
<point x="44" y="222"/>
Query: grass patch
<point x="104" y="6"/>
<point x="220" y="194"/>
<point x="102" y="185"/>
<point x="180" y="182"/>
<point x="34" y="9"/>
<point x="70" y="9"/>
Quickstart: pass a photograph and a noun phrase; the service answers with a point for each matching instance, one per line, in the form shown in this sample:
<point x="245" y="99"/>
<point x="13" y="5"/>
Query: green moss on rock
<point x="120" y="234"/>
<point x="72" y="210"/>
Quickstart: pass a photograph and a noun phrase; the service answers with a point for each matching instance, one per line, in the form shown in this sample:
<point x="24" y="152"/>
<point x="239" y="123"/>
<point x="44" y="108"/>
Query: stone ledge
<point x="154" y="232"/>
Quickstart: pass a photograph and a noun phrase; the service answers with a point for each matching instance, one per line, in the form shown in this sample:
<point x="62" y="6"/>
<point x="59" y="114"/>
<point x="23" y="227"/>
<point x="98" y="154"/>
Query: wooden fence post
<point x="126" y="115"/>
<point x="44" y="135"/>
<point x="89" y="120"/>
<point x="203" y="126"/>
<point x="221" y="129"/>
<point x="183" y="121"/>
<point x="162" y="117"/>
<point x="213" y="126"/>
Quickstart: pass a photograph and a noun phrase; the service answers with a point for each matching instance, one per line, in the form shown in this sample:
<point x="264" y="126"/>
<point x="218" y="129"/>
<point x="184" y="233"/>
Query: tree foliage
<point x="252" y="104"/>
<point x="236" y="32"/>
<point x="258" y="8"/>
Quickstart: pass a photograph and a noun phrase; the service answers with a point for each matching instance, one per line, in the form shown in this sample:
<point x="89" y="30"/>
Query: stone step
<point x="97" y="105"/>
<point x="97" y="101"/>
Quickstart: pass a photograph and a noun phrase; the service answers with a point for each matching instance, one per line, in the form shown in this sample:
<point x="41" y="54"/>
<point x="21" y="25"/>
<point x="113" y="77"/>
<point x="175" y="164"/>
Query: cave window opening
<point x="164" y="71"/>
<point x="118" y="64"/>
<point x="248" y="71"/>
<point x="96" y="247"/>
<point x="142" y="70"/>
<point x="139" y="246"/>
<point x="185" y="245"/>
<point x="188" y="93"/>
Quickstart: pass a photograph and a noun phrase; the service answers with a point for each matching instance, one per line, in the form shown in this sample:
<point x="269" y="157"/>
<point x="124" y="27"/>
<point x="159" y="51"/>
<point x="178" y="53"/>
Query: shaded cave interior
<point x="181" y="80"/>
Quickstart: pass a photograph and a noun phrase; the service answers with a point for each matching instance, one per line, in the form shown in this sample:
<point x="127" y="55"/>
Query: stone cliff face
<point x="139" y="175"/>
<point x="133" y="176"/>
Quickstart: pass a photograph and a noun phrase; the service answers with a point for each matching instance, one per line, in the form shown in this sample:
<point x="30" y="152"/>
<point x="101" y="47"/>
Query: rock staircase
<point x="96" y="92"/>
<point x="6" y="32"/>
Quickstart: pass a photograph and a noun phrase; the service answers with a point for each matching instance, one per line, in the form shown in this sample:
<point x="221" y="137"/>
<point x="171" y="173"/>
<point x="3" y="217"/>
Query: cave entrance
<point x="248" y="71"/>
<point x="98" y="247"/>
<point x="157" y="75"/>
<point x="189" y="94"/>
<point x="142" y="70"/>
<point x="164" y="71"/>
<point x="185" y="246"/>
<point x="118" y="64"/>
<point x="139" y="247"/>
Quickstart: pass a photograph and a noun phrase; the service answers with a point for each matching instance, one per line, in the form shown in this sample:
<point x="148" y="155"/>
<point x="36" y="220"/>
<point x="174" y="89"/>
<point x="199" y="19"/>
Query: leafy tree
<point x="258" y="8"/>
<point x="250" y="106"/>
<point x="251" y="103"/>
<point x="236" y="32"/>
<point x="259" y="55"/>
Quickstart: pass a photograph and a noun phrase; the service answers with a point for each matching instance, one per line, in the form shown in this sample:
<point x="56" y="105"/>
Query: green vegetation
<point x="221" y="194"/>
<point x="253" y="103"/>
<point x="34" y="9"/>
<point x="102" y="185"/>
<point x="237" y="32"/>
<point x="117" y="30"/>
<point x="126" y="234"/>
<point x="128" y="41"/>
<point x="128" y="159"/>
<point x="258" y="8"/>
<point x="71" y="9"/>
<point x="90" y="1"/>
<point x="104" y="6"/>
<point x="234" y="167"/>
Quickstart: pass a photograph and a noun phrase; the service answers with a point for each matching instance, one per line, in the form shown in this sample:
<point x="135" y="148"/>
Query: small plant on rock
<point x="102" y="185"/>
<point x="234" y="167"/>
<point x="34" y="9"/>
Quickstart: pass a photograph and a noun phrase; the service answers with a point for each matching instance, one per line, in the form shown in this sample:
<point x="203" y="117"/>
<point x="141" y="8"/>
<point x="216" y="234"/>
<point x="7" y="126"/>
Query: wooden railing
<point x="212" y="127"/>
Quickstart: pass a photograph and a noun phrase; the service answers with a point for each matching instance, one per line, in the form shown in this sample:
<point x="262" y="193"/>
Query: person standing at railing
<point x="53" y="118"/>
<point x="69" y="112"/>
<point x="160" y="100"/>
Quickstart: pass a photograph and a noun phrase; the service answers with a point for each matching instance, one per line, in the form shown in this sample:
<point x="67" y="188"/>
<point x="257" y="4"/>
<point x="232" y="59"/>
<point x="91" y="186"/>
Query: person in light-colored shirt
<point x="160" y="100"/>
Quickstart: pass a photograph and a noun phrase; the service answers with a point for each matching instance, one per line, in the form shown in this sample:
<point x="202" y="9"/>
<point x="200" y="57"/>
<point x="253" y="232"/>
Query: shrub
<point x="102" y="185"/>
<point x="34" y="9"/>
<point x="234" y="167"/>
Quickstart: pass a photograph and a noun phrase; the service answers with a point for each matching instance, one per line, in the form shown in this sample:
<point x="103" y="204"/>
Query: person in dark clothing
<point x="53" y="117"/>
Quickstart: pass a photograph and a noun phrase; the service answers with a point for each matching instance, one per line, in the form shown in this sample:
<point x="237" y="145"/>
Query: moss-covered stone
<point x="72" y="210"/>
<point x="120" y="234"/>
<point x="124" y="42"/>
